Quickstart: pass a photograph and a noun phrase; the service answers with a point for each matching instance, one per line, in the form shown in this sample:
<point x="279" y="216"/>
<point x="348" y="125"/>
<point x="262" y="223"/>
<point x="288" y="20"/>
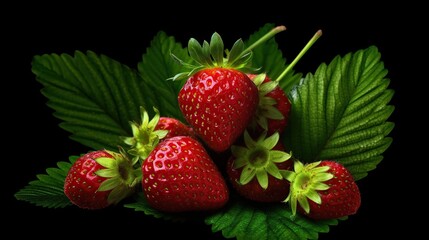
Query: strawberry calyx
<point x="121" y="176"/>
<point x="266" y="108"/>
<point x="145" y="137"/>
<point x="306" y="180"/>
<point x="211" y="55"/>
<point x="258" y="159"/>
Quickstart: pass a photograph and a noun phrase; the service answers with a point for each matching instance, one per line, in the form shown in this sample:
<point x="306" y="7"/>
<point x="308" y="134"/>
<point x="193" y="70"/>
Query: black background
<point x="36" y="142"/>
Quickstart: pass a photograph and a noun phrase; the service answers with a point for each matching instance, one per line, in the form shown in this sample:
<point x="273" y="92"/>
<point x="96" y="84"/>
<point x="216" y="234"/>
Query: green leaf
<point x="270" y="59"/>
<point x="245" y="220"/>
<point x="93" y="95"/>
<point x="156" y="67"/>
<point x="341" y="113"/>
<point x="48" y="190"/>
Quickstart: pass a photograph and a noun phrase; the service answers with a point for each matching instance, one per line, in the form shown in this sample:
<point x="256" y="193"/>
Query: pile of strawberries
<point x="230" y="142"/>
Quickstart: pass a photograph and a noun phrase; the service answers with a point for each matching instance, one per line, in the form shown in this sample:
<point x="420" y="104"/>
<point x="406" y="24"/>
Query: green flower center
<point x="259" y="157"/>
<point x="301" y="182"/>
<point x="123" y="171"/>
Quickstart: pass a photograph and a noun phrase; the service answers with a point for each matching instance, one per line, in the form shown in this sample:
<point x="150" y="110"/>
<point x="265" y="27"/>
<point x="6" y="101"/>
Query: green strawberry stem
<point x="310" y="43"/>
<point x="264" y="38"/>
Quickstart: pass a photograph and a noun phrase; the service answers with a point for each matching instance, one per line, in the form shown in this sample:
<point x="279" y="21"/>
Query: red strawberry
<point x="218" y="99"/>
<point x="180" y="176"/>
<point x="219" y="103"/>
<point x="174" y="127"/>
<point x="324" y="190"/>
<point x="148" y="133"/>
<point x="99" y="179"/>
<point x="274" y="106"/>
<point x="254" y="169"/>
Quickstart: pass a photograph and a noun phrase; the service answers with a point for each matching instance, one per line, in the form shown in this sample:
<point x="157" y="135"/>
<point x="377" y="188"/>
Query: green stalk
<point x="264" y="38"/>
<point x="299" y="56"/>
